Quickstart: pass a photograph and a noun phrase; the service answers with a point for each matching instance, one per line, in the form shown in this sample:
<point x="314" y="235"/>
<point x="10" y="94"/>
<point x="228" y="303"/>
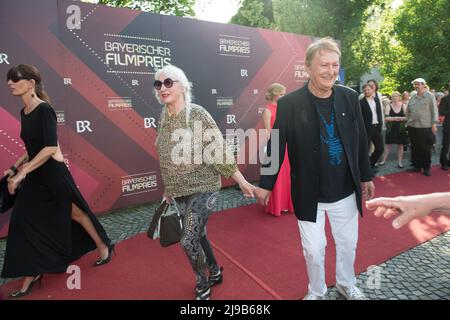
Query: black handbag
<point x="169" y="229"/>
<point x="166" y="224"/>
<point x="153" y="229"/>
<point x="6" y="198"/>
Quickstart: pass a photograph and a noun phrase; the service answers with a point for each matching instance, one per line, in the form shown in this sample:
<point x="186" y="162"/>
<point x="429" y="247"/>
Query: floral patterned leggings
<point x="195" y="210"/>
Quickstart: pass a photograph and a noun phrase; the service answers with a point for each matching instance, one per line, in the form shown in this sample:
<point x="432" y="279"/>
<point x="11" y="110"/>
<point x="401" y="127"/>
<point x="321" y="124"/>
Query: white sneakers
<point x="312" y="296"/>
<point x="351" y="293"/>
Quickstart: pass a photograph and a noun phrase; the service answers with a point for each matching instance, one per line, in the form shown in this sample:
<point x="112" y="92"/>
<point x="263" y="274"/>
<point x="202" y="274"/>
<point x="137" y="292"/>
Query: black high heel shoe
<point x="19" y="293"/>
<point x="101" y="262"/>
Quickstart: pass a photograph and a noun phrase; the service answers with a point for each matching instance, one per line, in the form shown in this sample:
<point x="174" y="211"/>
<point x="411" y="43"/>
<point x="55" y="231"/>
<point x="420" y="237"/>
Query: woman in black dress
<point x="51" y="223"/>
<point x="395" y="128"/>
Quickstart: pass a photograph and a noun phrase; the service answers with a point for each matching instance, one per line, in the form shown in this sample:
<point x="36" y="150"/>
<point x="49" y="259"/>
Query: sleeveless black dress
<point x="42" y="236"/>
<point x="396" y="130"/>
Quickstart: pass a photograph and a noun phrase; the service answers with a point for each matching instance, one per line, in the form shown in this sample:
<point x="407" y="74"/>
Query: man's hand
<point x="263" y="196"/>
<point x="434" y="129"/>
<point x="368" y="189"/>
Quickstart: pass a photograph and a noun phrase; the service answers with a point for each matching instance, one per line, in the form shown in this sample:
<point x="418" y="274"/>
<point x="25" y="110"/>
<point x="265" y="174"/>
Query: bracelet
<point x="14" y="169"/>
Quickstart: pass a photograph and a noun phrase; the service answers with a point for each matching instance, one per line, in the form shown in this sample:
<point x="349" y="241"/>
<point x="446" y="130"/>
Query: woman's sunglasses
<point x="15" y="77"/>
<point x="168" y="83"/>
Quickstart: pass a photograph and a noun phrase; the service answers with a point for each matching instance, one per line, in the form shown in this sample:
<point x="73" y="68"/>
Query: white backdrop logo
<point x="139" y="183"/>
<point x="83" y="126"/>
<point x="3" y="58"/>
<point x="234" y="46"/>
<point x="225" y="102"/>
<point x="60" y="117"/>
<point x="149" y="123"/>
<point x="130" y="54"/>
<point x="120" y="103"/>
<point x="300" y="74"/>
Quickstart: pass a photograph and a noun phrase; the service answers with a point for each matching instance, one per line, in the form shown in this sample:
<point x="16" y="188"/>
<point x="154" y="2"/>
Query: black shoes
<point x="18" y="293"/>
<point x="217" y="278"/>
<point x="444" y="167"/>
<point x="426" y="172"/>
<point x="203" y="294"/>
<point x="101" y="262"/>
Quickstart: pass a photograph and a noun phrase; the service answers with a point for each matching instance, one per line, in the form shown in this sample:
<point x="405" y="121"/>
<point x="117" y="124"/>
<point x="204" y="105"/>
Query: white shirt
<point x="373" y="107"/>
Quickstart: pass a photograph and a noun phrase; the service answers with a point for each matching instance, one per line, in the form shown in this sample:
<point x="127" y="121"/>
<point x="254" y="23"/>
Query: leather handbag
<point x="170" y="228"/>
<point x="153" y="229"/>
<point x="166" y="224"/>
<point x="6" y="199"/>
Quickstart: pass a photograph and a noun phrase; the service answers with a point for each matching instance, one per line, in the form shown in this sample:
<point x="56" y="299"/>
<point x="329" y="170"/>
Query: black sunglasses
<point x="168" y="83"/>
<point x="14" y="77"/>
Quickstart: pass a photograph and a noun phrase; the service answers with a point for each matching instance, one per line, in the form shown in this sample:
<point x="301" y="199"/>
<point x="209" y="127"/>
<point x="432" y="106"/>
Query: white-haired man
<point x="323" y="128"/>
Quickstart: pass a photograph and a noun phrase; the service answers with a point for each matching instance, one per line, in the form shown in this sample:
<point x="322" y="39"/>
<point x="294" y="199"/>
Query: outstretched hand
<point x="409" y="208"/>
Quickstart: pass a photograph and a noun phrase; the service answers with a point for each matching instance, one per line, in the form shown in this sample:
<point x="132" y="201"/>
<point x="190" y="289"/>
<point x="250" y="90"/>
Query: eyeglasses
<point x="15" y="77"/>
<point x="168" y="83"/>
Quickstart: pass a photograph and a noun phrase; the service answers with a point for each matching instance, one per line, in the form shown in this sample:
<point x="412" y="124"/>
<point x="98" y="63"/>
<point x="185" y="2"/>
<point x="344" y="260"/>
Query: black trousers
<point x="444" y="158"/>
<point x="421" y="145"/>
<point x="377" y="139"/>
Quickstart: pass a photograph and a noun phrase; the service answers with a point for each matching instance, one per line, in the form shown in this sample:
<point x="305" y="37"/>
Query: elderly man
<point x="322" y="126"/>
<point x="421" y="119"/>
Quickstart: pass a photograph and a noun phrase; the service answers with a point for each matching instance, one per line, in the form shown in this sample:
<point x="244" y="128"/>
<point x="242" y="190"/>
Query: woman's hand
<point x="167" y="198"/>
<point x="13" y="182"/>
<point x="247" y="189"/>
<point x="8" y="172"/>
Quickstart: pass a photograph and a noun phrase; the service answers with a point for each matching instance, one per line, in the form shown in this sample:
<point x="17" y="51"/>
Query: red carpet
<point x="261" y="254"/>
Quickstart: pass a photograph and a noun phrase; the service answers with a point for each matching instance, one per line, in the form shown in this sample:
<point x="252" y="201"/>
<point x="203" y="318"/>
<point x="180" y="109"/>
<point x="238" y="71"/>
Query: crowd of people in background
<point x="409" y="120"/>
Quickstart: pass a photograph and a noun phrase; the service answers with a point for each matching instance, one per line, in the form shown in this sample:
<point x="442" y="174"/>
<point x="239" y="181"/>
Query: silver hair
<point x="175" y="73"/>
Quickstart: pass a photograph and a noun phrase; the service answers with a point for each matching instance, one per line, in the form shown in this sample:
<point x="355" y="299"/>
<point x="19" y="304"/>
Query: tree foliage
<point x="423" y="28"/>
<point x="184" y="8"/>
<point x="340" y="19"/>
<point x="255" y="13"/>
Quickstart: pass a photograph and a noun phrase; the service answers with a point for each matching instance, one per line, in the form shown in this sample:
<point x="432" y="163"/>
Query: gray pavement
<point x="421" y="273"/>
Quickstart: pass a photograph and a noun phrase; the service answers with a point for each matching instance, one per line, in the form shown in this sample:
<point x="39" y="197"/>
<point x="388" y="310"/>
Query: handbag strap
<point x="155" y="220"/>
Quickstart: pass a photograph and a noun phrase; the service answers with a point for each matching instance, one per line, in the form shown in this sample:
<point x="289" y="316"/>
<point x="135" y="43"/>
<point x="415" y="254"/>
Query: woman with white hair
<point x="191" y="183"/>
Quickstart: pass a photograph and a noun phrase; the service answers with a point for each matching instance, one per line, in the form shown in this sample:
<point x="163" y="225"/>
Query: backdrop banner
<point x="98" y="65"/>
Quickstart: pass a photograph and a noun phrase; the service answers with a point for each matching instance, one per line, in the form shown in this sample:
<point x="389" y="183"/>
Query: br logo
<point x="83" y="126"/>
<point x="4" y="58"/>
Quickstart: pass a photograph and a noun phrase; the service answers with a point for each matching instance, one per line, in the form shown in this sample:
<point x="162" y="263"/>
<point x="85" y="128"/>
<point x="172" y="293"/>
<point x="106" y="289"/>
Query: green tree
<point x="255" y="13"/>
<point x="423" y="28"/>
<point x="341" y="19"/>
<point x="184" y="8"/>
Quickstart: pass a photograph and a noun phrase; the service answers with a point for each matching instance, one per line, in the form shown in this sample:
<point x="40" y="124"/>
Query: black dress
<point x="42" y="236"/>
<point x="396" y="130"/>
